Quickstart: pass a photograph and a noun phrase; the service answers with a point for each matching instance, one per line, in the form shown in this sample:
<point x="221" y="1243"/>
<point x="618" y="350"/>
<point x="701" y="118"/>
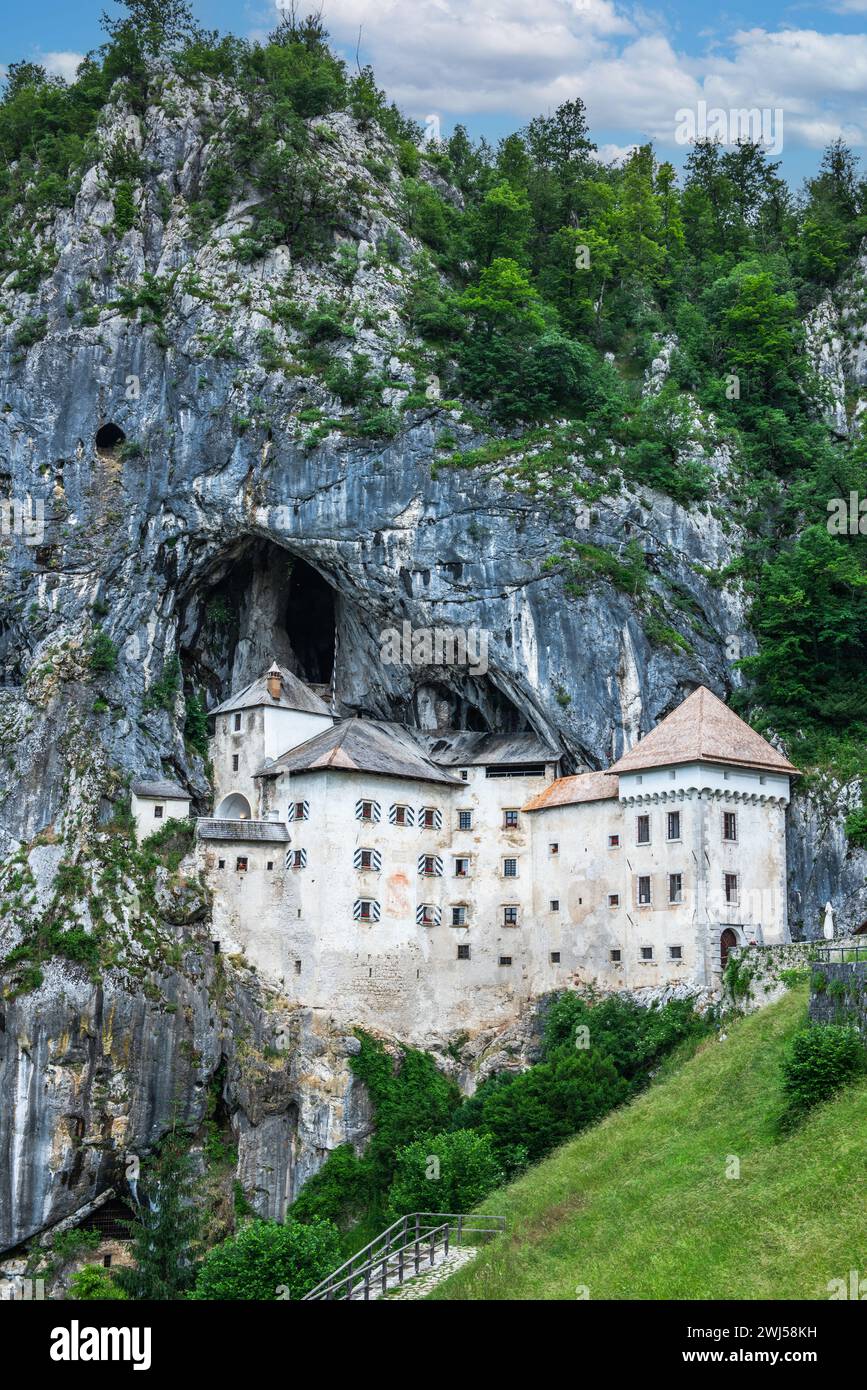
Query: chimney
<point x="274" y="682"/>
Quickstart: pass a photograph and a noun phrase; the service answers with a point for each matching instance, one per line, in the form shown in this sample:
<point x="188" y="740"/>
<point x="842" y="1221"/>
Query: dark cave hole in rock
<point x="257" y="605"/>
<point x="109" y="438"/>
<point x="481" y="708"/>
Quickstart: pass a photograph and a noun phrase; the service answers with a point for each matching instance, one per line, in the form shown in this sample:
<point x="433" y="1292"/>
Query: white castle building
<point x="434" y="882"/>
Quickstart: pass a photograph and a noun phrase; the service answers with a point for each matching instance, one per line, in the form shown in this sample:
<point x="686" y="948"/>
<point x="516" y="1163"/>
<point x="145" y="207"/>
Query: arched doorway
<point x="233" y="807"/>
<point x="727" y="940"/>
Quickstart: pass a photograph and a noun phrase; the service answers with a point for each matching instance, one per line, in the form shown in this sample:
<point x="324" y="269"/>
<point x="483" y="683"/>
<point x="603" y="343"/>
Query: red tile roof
<point x="567" y="791"/>
<point x="702" y="729"/>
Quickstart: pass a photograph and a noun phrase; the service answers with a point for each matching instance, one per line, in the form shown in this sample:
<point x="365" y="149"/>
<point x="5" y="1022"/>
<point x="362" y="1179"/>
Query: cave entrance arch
<point x="109" y="438"/>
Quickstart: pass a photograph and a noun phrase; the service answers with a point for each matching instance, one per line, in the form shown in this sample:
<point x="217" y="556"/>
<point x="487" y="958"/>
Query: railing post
<point x="385" y="1272"/>
<point x="460" y="1229"/>
<point x="400" y="1266"/>
<point x="446" y="1241"/>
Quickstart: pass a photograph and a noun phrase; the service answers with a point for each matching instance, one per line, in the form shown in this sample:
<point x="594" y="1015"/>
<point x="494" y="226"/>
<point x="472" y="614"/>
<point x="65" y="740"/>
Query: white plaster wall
<point x="147" y="822"/>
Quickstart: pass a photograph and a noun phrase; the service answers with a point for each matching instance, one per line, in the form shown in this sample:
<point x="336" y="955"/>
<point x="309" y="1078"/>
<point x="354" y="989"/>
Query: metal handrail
<point x="431" y="1228"/>
<point x="848" y="954"/>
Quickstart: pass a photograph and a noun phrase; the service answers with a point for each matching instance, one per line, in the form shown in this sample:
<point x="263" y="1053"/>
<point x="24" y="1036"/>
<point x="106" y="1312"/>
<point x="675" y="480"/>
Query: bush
<point x="449" y="1173"/>
<point x="101" y="652"/>
<point x="822" y="1058"/>
<point x="265" y="1260"/>
<point x="93" y="1284"/>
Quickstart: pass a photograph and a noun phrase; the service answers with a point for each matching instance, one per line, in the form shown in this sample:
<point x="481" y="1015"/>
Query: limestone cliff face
<point x="236" y="523"/>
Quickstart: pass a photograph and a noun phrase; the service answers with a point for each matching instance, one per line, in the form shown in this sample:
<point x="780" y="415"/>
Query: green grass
<point x="639" y="1207"/>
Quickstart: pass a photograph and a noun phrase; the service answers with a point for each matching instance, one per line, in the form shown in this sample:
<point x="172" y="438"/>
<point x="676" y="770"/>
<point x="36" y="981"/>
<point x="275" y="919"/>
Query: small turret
<point x="274" y="682"/>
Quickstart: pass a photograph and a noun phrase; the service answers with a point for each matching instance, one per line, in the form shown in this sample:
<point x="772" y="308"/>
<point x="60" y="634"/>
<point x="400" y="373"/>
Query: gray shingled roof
<point x="295" y="695"/>
<point x="161" y="791"/>
<point x="246" y="831"/>
<point x="360" y="745"/>
<point x="458" y="748"/>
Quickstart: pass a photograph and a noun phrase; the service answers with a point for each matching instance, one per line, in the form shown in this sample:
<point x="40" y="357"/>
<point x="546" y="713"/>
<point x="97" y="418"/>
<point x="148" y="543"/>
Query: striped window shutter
<point x="299" y="860"/>
<point x="374" y="909"/>
<point x="305" y="810"/>
<point x="437" y="864"/>
<point x="359" y="805"/>
<point x="375" y="859"/>
<point x="435" y="914"/>
<point x="409" y="815"/>
<point x="437" y="817"/>
<point x="288" y="860"/>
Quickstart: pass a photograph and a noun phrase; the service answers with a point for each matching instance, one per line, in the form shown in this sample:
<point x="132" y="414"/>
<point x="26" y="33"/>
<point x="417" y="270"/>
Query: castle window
<point x="639" y="780"/>
<point x="673" y="830"/>
<point x="296" y="859"/>
<point x="366" y="910"/>
<point x="462" y="867"/>
<point x="613" y="841"/>
<point x="554" y="847"/>
<point x="301" y="810"/>
<point x="463" y="952"/>
<point x="613" y="899"/>
<point x="464" y="775"/>
<point x="555" y="905"/>
<point x="158" y="812"/>
<point x="427" y="915"/>
<point x="400" y="815"/>
<point x="510" y="868"/>
<point x="731" y="887"/>
<point x="555" y="957"/>
<point x="675" y="953"/>
<point x="642" y="830"/>
<point x="431" y="818"/>
<point x="297" y="967"/>
<point x="675" y="888"/>
<point x="459" y="915"/>
<point x="367" y="811"/>
<point x="270" y="864"/>
<point x="647" y="953"/>
<point x="234" y="762"/>
<point x="465" y="820"/>
<point x="237" y="723"/>
<point x="430" y="866"/>
<point x="505" y="960"/>
<point x="367" y="860"/>
<point x="730" y="825"/>
<point x="221" y="863"/>
<point x="510" y="820"/>
<point x="672" y="775"/>
<point x="644" y="890"/>
<point x="241" y="864"/>
<point x="615" y="956"/>
<point x="510" y="915"/>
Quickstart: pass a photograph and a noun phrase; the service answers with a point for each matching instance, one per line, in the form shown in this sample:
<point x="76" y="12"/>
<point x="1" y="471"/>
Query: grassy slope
<point x="640" y="1207"/>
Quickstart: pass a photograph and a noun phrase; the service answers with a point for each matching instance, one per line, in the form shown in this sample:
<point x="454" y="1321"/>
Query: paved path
<point x="421" y="1284"/>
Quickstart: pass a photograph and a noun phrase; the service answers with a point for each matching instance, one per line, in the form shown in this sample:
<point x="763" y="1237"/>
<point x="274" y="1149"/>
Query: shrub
<point x="93" y="1284"/>
<point x="101" y="652"/>
<point x="821" y="1059"/>
<point x="266" y="1259"/>
<point x="450" y="1172"/>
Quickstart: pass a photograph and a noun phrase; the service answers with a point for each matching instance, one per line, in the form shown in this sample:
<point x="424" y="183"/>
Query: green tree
<point x="166" y="1227"/>
<point x="450" y="1172"/>
<point x="267" y="1261"/>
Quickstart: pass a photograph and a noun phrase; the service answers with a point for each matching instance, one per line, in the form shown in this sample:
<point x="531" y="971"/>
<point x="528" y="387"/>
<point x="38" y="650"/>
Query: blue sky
<point x="494" y="63"/>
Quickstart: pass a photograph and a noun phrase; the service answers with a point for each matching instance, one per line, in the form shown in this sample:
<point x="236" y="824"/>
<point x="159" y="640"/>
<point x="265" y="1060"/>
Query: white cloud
<point x="465" y="58"/>
<point x="63" y="65"/>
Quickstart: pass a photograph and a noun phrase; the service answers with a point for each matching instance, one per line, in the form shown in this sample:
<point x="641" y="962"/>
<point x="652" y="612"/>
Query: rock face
<point x="201" y="508"/>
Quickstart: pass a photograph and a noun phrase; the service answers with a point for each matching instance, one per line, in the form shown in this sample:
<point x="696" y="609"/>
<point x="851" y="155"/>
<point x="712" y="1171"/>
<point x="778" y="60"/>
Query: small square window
<point x="639" y="780"/>
<point x="555" y="905"/>
<point x="297" y="967"/>
<point x="647" y="953"/>
<point x="672" y="775"/>
<point x="241" y="864"/>
<point x="675" y="953"/>
<point x="237" y="723"/>
<point x="429" y="818"/>
<point x="554" y="847"/>
<point x="675" y="888"/>
<point x="642" y="830"/>
<point x="400" y="815"/>
<point x="510" y="915"/>
<point x="726" y="777"/>
<point x="510" y="820"/>
<point x="465" y="820"/>
<point x="505" y="960"/>
<point x="365" y="859"/>
<point x="270" y="864"/>
<point x="555" y="957"/>
<point x="221" y="863"/>
<point x="731" y="888"/>
<point x="644" y="890"/>
<point x="613" y="841"/>
<point x="462" y="868"/>
<point x="158" y="812"/>
<point x="464" y="775"/>
<point x="510" y="868"/>
<point x="235" y="762"/>
<point x="459" y="916"/>
<point x="615" y="956"/>
<point x="464" y="952"/>
<point x="613" y="899"/>
<point x="367" y="810"/>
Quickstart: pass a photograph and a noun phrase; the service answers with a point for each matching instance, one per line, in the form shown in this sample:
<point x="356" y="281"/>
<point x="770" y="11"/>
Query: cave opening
<point x="109" y="437"/>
